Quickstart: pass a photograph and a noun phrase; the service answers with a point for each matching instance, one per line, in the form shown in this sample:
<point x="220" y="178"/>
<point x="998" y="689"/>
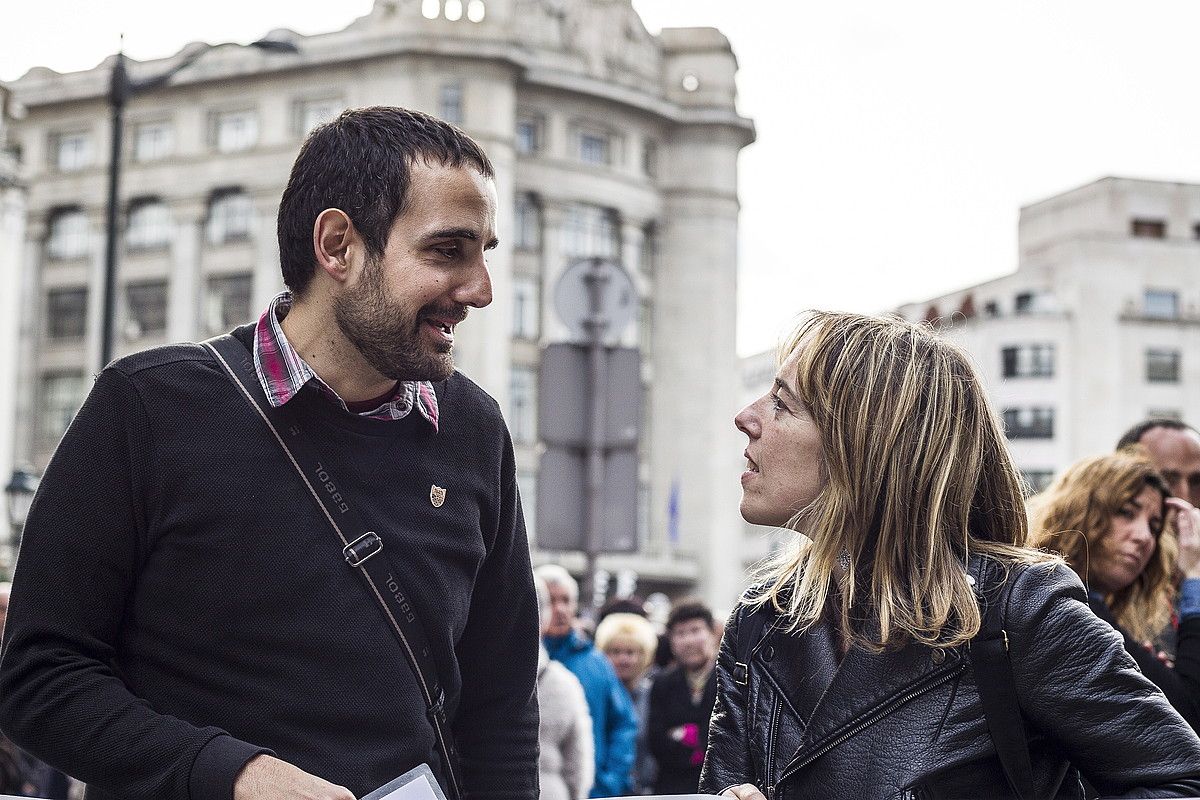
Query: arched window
<point x="68" y="234"/>
<point x="149" y="224"/>
<point x="230" y="216"/>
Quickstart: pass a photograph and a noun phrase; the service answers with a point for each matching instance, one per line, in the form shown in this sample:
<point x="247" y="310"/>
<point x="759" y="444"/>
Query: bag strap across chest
<point x="359" y="544"/>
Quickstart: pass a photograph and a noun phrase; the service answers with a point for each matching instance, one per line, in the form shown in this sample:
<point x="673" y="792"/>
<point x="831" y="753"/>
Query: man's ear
<point x="334" y="237"/>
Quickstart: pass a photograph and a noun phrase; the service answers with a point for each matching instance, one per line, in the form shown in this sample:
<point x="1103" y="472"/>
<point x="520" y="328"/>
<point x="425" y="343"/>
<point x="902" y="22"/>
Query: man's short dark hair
<point x="1134" y="435"/>
<point x="688" y="610"/>
<point x="359" y="163"/>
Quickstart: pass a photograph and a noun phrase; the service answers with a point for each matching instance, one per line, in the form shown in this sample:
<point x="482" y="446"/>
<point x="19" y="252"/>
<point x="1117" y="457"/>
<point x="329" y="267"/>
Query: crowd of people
<point x="645" y="695"/>
<point x="282" y="632"/>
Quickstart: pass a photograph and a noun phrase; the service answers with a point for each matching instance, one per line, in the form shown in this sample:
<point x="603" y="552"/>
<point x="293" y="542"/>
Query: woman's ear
<point x="333" y="237"/>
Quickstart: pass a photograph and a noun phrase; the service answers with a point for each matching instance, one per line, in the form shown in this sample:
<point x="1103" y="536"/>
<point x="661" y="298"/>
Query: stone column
<point x="633" y="235"/>
<point x="24" y="367"/>
<point x="268" y="280"/>
<point x="553" y="263"/>
<point x="183" y="288"/>
<point x="95" y="283"/>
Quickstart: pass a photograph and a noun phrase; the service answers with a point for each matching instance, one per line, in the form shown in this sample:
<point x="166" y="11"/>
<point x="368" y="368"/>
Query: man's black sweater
<point x="180" y="605"/>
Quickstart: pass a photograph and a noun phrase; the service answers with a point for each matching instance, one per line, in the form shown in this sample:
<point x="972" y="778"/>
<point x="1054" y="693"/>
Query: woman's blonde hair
<point x="622" y="627"/>
<point x="917" y="478"/>
<point x="1074" y="515"/>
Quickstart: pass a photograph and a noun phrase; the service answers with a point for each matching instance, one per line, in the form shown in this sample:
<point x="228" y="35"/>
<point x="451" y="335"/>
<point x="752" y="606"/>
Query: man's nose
<point x="476" y="291"/>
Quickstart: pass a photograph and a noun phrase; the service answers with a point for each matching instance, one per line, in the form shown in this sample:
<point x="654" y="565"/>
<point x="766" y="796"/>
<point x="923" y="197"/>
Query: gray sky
<point x="896" y="141"/>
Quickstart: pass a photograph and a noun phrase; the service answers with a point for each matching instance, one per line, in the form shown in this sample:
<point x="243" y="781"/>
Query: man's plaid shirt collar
<point x="283" y="373"/>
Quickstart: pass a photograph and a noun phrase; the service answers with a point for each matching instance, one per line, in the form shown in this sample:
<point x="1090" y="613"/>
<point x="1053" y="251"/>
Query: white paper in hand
<point x="416" y="784"/>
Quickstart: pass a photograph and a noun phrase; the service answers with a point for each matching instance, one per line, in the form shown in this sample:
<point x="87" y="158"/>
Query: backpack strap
<point x="994" y="681"/>
<point x="749" y="636"/>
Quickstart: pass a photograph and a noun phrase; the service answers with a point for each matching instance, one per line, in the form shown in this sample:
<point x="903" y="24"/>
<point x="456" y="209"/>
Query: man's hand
<point x="747" y="791"/>
<point x="267" y="778"/>
<point x="1187" y="524"/>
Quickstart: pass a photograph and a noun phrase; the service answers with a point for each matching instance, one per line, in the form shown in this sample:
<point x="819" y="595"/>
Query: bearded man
<point x="184" y="622"/>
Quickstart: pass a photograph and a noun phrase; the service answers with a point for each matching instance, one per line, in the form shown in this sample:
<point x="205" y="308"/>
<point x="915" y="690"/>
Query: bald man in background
<point x="1174" y="447"/>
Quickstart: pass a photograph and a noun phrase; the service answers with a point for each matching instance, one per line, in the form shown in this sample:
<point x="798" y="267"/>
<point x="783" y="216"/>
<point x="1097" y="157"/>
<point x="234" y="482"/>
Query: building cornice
<point x="43" y="88"/>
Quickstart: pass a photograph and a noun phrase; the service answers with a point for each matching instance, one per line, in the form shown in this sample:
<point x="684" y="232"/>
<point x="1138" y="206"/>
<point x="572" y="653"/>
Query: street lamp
<point x="19" y="494"/>
<point x="120" y="90"/>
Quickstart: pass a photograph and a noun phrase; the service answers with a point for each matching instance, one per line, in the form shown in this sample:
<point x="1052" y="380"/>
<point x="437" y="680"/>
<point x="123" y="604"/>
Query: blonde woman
<point x="845" y="673"/>
<point x="1107" y="516"/>
<point x="629" y="642"/>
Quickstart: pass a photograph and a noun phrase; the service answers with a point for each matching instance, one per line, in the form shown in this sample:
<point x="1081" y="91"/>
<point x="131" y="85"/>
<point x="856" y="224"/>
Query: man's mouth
<point x="750" y="465"/>
<point x="443" y="322"/>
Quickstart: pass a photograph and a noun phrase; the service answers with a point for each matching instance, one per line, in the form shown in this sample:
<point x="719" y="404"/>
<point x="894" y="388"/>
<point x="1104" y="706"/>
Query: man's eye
<point x="449" y="251"/>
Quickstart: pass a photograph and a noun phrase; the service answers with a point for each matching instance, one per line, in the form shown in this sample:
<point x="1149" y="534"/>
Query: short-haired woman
<point x="846" y="672"/>
<point x="629" y="642"/>
<point x="1108" y="516"/>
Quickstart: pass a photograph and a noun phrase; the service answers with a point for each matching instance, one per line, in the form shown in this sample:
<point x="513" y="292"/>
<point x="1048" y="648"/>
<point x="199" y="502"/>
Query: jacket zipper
<point x="771" y="746"/>
<point x="866" y="721"/>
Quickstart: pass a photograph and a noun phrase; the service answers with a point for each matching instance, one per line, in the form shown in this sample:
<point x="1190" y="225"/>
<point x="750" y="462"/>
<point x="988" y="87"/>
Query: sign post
<point x="588" y="416"/>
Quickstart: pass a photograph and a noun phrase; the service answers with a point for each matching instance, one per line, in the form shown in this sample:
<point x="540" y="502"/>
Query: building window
<point x="149" y="225"/>
<point x="1023" y="303"/>
<point x="66" y="313"/>
<point x="68" y="235"/>
<point x="235" y="131"/>
<point x="72" y="151"/>
<point x="590" y="231"/>
<point x="522" y="404"/>
<point x="451" y="104"/>
<point x="1028" y="361"/>
<point x="1161" y="304"/>
<point x="1037" y="479"/>
<point x="230" y="216"/>
<point x="146" y="302"/>
<point x="1029" y="423"/>
<point x="227" y="302"/>
<point x="152" y="141"/>
<point x="1162" y="366"/>
<point x="991" y="309"/>
<point x="60" y="395"/>
<point x="526" y="307"/>
<point x="595" y="148"/>
<point x="529" y="135"/>
<point x="311" y="113"/>
<point x="1165" y="413"/>
<point x="529" y="222"/>
<point x="1196" y="231"/>
<point x="650" y="158"/>
<point x="1148" y="228"/>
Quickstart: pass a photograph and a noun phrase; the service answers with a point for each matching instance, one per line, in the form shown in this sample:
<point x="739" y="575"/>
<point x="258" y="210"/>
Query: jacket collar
<point x="833" y="699"/>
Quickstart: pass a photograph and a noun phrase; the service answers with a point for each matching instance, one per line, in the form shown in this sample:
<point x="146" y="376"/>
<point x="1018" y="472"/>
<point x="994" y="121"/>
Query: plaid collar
<point x="283" y="373"/>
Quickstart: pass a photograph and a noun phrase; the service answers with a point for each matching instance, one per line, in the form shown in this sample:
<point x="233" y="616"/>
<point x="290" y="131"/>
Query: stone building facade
<point x="1098" y="328"/>
<point x="607" y="141"/>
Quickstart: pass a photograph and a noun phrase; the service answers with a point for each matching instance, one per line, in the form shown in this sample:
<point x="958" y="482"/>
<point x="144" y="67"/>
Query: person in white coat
<point x="565" y="759"/>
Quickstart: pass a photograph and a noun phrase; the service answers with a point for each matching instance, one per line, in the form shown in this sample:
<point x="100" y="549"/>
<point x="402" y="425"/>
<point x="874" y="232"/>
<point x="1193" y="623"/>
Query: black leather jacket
<point x="909" y="723"/>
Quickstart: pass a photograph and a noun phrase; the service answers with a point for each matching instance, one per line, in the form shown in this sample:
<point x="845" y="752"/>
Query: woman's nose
<point x="746" y="423"/>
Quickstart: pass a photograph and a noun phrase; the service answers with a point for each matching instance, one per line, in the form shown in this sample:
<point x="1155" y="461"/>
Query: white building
<point x="607" y="141"/>
<point x="1098" y="328"/>
<point x="12" y="229"/>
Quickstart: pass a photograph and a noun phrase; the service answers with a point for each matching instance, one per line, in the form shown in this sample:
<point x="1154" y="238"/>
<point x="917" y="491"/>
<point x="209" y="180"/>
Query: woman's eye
<point x="776" y="404"/>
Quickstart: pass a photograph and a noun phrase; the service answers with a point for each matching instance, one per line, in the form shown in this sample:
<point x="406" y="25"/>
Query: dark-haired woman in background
<point x="1108" y="517"/>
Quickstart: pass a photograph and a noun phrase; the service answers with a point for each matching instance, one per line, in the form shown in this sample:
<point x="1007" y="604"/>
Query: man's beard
<point x="387" y="334"/>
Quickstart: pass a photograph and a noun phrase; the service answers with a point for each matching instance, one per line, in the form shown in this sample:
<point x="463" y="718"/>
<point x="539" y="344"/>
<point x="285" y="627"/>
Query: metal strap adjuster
<point x="741" y="674"/>
<point x="362" y="548"/>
